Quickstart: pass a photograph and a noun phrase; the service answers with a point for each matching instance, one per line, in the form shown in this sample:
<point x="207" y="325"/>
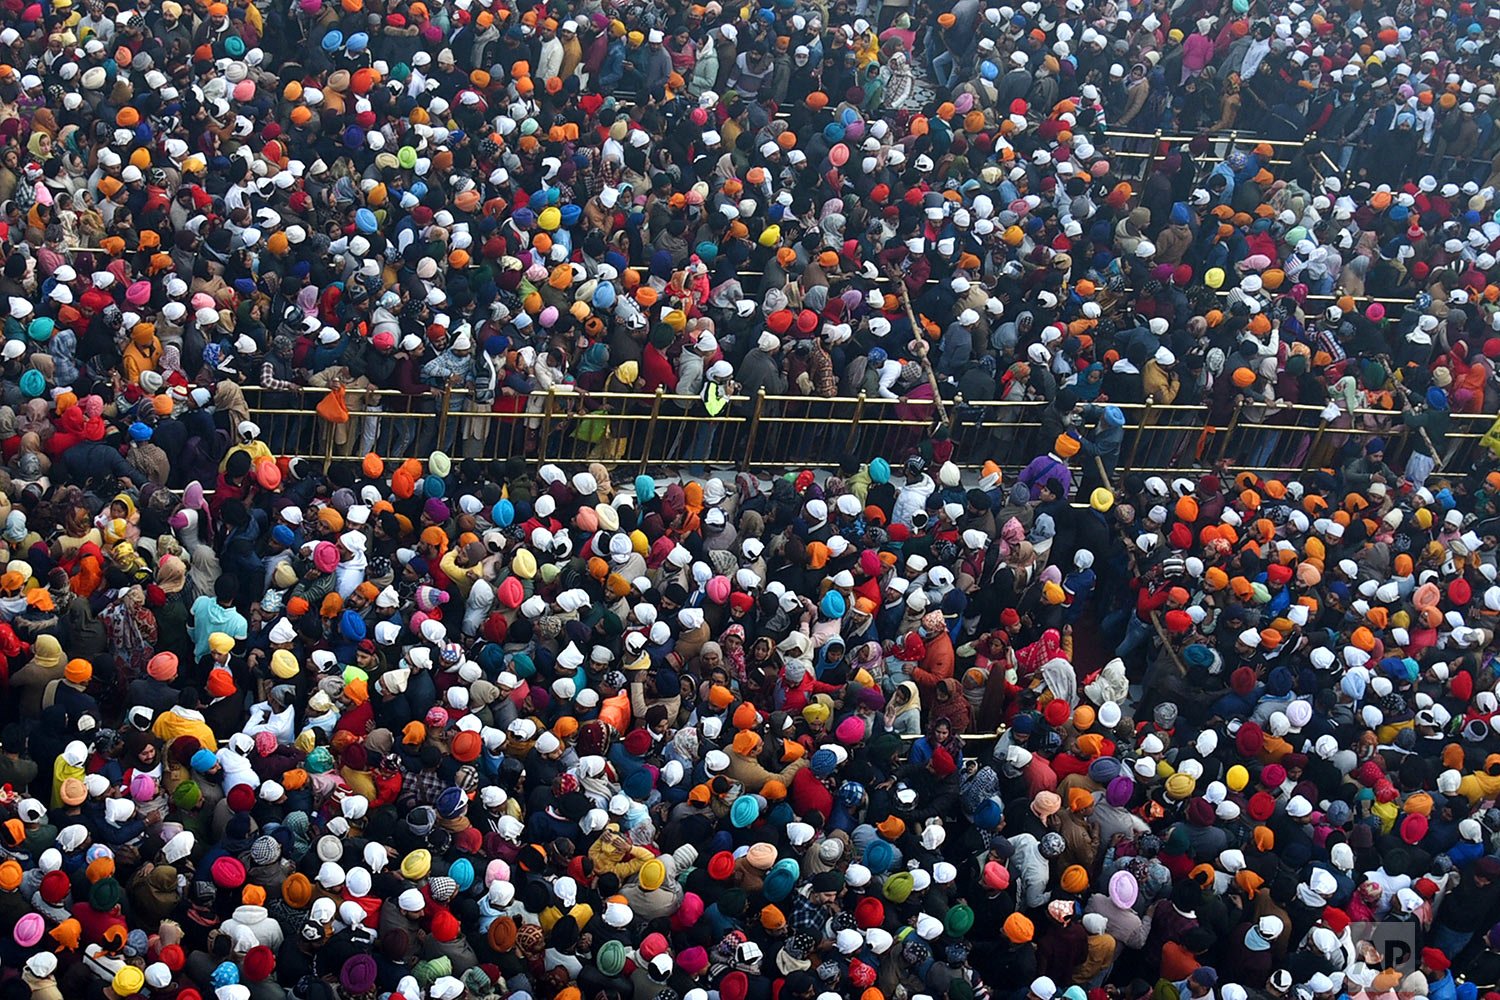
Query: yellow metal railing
<point x="766" y="433"/>
<point x="1123" y="142"/>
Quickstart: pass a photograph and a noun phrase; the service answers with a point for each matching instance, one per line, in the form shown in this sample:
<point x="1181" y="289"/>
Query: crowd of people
<point x="983" y="716"/>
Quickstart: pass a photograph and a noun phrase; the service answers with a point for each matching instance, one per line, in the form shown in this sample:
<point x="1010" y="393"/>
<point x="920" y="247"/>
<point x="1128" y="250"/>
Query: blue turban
<point x="33" y="383"/>
<point x="637" y="783"/>
<point x="462" y="872"/>
<point x="451" y="802"/>
<point x="1104" y="769"/>
<point x="879" y="857"/>
<point x="778" y="885"/>
<point x="823" y="763"/>
<point x="491" y="659"/>
<point x="746" y="810"/>
<point x="1198" y="655"/>
<point x="352" y="626"/>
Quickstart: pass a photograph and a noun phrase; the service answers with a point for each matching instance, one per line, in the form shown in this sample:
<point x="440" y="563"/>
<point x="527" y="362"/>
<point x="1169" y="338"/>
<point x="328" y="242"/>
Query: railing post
<point x="547" y="412"/>
<point x="760" y="405"/>
<point x="650" y="430"/>
<point x="1400" y="443"/>
<point x="328" y="447"/>
<point x="859" y="412"/>
<point x="1234" y="422"/>
<point x="442" y="416"/>
<point x="958" y="400"/>
<point x="1140" y="433"/>
<point x="1312" y="449"/>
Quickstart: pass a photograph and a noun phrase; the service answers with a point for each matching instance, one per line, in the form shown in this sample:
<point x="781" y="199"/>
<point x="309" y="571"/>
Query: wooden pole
<point x="1161" y="633"/>
<point x="1437" y="459"/>
<point x="916" y="332"/>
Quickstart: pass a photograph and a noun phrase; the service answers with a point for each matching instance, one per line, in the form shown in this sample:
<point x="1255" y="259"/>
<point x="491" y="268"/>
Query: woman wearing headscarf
<point x="733" y="642"/>
<point x="35" y="417"/>
<point x="762" y="668"/>
<point x="31" y="462"/>
<point x="1110" y="684"/>
<point x="593" y="367"/>
<point x="131" y="628"/>
<point x="1136" y="89"/>
<point x="950" y="706"/>
<point x="172" y="614"/>
<point x="903" y="713"/>
<point x="940" y="734"/>
<point x="829" y="664"/>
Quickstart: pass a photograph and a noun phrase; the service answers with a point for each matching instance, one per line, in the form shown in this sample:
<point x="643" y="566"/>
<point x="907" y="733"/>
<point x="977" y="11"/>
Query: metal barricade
<point x="1143" y="147"/>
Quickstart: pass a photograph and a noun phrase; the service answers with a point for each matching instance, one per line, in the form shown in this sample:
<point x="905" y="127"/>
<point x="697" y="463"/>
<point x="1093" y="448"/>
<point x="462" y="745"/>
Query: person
<point x="324" y="684"/>
<point x="619" y="647"/>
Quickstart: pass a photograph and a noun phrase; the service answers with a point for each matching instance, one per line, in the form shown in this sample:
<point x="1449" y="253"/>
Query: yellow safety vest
<point x="714" y="399"/>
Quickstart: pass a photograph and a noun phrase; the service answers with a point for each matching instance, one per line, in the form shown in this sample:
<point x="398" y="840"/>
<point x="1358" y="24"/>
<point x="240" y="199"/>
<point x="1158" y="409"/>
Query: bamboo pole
<point x="1437" y="458"/>
<point x="1161" y="633"/>
<point x="922" y="353"/>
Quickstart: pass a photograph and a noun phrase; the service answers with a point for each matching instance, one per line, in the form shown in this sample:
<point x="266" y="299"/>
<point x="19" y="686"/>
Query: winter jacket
<point x="252" y="925"/>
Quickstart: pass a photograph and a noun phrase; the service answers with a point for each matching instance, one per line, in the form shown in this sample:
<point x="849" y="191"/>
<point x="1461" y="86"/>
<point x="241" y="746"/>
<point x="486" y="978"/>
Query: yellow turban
<point x="1180" y="786"/>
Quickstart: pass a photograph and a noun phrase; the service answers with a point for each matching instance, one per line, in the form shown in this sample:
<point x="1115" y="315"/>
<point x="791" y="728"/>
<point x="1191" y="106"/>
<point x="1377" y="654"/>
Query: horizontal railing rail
<point x="769" y="433"/>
